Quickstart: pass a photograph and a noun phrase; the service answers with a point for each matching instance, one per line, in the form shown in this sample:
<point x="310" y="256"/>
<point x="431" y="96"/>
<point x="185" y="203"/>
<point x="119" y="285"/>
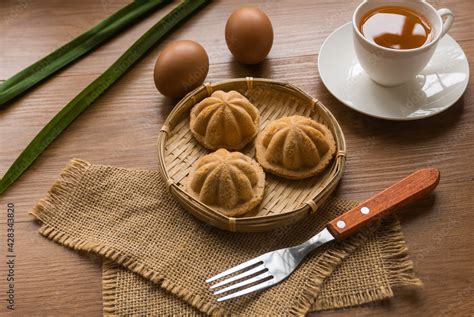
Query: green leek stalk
<point x="82" y="101"/>
<point x="78" y="47"/>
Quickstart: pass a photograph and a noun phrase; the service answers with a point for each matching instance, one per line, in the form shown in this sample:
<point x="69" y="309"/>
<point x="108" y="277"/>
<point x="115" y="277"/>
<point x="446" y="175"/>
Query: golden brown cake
<point x="295" y="147"/>
<point x="224" y="120"/>
<point x="230" y="182"/>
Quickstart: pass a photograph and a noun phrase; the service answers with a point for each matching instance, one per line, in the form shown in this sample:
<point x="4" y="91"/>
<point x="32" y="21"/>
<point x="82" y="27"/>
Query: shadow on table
<point x="413" y="132"/>
<point x="260" y="70"/>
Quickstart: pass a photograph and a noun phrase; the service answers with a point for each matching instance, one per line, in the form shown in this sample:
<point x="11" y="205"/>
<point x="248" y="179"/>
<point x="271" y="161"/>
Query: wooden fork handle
<point x="408" y="190"/>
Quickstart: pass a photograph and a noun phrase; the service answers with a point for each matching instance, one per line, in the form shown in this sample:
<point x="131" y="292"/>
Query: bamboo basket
<point x="285" y="201"/>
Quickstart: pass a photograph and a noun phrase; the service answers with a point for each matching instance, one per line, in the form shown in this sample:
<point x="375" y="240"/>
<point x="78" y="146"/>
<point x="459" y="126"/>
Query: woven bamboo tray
<point x="285" y="201"/>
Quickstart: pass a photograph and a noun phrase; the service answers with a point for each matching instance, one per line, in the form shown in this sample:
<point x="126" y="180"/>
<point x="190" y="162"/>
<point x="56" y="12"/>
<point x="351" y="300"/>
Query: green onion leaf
<point x="80" y="103"/>
<point x="78" y="47"/>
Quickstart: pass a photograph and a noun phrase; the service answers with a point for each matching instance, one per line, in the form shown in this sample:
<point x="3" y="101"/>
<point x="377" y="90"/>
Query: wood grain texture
<point x="121" y="129"/>
<point x="404" y="192"/>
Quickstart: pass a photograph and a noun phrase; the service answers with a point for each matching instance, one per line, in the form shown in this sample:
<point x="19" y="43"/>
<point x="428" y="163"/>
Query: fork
<point x="273" y="267"/>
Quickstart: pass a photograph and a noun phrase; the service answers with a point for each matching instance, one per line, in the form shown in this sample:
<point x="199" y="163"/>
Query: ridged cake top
<point x="230" y="181"/>
<point x="224" y="120"/>
<point x="295" y="147"/>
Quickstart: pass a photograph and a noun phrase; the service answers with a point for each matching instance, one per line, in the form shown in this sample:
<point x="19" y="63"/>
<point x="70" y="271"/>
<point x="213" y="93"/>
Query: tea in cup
<point x="395" y="40"/>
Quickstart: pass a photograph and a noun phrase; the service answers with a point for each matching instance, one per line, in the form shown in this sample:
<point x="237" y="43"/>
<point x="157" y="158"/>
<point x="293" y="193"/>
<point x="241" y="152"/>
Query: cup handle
<point x="449" y="20"/>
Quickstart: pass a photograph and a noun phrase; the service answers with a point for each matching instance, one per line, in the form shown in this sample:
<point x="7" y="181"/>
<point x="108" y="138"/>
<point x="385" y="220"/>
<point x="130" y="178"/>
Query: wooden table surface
<point x="122" y="126"/>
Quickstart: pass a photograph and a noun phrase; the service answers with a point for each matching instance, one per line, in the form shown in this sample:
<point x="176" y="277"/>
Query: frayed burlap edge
<point x="71" y="176"/>
<point x="397" y="263"/>
<point x="396" y="259"/>
<point x="109" y="287"/>
<point x="324" y="268"/>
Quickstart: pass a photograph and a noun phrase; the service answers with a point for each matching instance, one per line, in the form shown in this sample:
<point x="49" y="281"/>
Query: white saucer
<point x="438" y="87"/>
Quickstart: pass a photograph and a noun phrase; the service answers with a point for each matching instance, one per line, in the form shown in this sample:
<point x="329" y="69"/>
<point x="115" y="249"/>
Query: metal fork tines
<point x="265" y="270"/>
<point x="253" y="273"/>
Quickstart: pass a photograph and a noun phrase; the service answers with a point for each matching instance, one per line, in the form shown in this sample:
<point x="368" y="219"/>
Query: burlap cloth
<point x="157" y="256"/>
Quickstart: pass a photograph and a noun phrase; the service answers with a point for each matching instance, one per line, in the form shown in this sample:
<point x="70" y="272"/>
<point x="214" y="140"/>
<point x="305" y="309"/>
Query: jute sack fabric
<point x="157" y="256"/>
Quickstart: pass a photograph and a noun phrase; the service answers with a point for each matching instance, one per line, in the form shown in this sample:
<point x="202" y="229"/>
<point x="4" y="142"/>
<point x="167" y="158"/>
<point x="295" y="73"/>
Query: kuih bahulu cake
<point x="224" y="120"/>
<point x="295" y="147"/>
<point x="230" y="182"/>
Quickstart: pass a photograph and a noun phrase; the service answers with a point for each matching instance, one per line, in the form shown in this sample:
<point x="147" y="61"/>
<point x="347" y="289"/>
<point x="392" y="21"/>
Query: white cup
<point x="392" y="67"/>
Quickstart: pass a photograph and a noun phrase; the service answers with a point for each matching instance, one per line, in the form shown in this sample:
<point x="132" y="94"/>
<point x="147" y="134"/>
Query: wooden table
<point x="121" y="129"/>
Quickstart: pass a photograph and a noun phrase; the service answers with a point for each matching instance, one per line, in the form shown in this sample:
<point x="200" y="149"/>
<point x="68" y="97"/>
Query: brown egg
<point x="249" y="35"/>
<point x="180" y="67"/>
